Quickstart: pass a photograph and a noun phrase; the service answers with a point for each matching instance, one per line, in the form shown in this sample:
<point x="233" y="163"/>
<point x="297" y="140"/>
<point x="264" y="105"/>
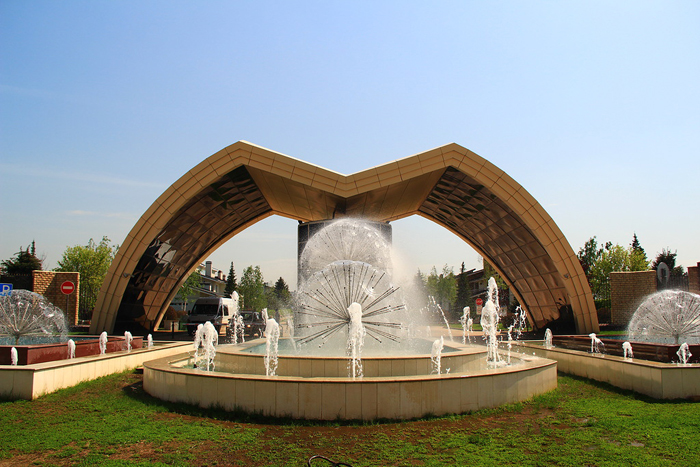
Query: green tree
<point x="24" y="262"/>
<point x="282" y="291"/>
<point x="464" y="291"/>
<point x="490" y="271"/>
<point x="92" y="262"/>
<point x="636" y="245"/>
<point x="443" y="288"/>
<point x="589" y="254"/>
<point x="638" y="257"/>
<point x="252" y="289"/>
<point x="418" y="291"/>
<point x="278" y="297"/>
<point x="230" y="282"/>
<point x="188" y="288"/>
<point x="614" y="258"/>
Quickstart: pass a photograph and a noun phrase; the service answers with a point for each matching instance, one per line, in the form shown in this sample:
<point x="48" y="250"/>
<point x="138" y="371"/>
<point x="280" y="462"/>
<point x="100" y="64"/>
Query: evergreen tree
<point x="636" y="245"/>
<point x="464" y="293"/>
<point x="638" y="254"/>
<point x="231" y="284"/>
<point x="24" y="262"/>
<point x="443" y="288"/>
<point x="278" y="296"/>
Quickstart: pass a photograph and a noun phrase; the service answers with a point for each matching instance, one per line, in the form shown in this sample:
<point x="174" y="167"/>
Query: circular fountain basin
<point x="318" y="388"/>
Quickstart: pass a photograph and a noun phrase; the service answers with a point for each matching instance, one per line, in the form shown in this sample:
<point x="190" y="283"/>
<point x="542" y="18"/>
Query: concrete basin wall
<point x="40" y="353"/>
<point x="32" y="381"/>
<point x="655" y="379"/>
<point x="230" y="359"/>
<point x="341" y="398"/>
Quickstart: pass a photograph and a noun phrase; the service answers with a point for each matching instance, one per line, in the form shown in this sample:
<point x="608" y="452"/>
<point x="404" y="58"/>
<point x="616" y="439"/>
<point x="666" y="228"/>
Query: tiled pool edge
<point x="32" y="381"/>
<point x="369" y="398"/>
<point x="654" y="379"/>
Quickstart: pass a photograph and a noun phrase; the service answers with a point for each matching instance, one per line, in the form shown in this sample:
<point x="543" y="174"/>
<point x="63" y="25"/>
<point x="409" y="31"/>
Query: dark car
<point x="253" y="323"/>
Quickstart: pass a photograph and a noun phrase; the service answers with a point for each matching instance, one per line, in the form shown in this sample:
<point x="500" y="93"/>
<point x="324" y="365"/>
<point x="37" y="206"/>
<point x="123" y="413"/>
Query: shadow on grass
<point x="625" y="392"/>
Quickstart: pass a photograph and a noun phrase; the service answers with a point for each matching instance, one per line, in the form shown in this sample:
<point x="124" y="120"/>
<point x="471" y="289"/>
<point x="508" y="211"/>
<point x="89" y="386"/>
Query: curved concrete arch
<point x="244" y="183"/>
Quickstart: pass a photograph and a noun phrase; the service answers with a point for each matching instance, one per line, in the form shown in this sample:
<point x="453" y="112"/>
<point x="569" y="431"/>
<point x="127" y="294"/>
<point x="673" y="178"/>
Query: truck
<point x="219" y="311"/>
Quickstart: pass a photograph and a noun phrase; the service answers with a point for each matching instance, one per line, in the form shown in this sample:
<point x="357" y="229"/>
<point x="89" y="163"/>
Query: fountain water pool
<point x="318" y="387"/>
<point x="353" y="355"/>
<point x="37" y="331"/>
<point x="659" y="366"/>
<point x="28" y="315"/>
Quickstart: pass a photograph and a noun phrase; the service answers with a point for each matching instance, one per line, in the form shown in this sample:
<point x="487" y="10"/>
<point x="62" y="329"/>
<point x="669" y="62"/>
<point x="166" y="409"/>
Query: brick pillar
<point x="627" y="291"/>
<point x="48" y="284"/>
<point x="694" y="279"/>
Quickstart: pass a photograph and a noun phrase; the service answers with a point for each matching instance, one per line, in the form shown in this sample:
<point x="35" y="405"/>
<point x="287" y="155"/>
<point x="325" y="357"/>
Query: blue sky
<point x="593" y="107"/>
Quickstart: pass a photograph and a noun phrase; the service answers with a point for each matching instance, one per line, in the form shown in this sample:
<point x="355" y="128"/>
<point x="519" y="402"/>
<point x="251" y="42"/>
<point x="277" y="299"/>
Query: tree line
<point x="451" y="291"/>
<point x="598" y="261"/>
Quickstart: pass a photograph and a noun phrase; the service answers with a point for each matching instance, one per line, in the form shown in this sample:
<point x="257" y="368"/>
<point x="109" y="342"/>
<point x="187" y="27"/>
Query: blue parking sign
<point x="5" y="290"/>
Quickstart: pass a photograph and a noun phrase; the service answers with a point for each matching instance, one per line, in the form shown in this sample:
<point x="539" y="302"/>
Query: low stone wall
<point x="40" y="353"/>
<point x="658" y="380"/>
<point x="627" y="290"/>
<point x="32" y="381"/>
<point x="335" y="398"/>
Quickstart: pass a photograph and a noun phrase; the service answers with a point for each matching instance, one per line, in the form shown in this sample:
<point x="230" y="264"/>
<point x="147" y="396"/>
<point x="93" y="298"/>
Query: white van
<point x="217" y="310"/>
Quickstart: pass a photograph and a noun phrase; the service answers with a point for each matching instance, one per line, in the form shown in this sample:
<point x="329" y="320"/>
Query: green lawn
<point x="112" y="421"/>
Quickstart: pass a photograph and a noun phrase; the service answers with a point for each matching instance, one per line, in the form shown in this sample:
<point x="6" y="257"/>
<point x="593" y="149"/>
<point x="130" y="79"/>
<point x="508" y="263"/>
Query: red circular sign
<point x="67" y="287"/>
<point x="479" y="302"/>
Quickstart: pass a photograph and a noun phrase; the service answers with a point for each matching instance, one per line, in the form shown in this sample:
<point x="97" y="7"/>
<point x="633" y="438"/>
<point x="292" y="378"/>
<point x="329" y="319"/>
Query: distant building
<point x="478" y="283"/>
<point x="212" y="284"/>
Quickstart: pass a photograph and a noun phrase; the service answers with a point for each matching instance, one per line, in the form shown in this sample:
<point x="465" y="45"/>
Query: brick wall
<point x="694" y="279"/>
<point x="48" y="284"/>
<point x="627" y="290"/>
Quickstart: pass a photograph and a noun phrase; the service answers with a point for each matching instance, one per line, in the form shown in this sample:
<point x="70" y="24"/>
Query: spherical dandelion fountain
<point x="27" y="317"/>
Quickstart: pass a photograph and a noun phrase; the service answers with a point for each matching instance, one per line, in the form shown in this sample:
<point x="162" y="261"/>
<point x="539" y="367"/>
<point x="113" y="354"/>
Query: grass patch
<point x="112" y="421"/>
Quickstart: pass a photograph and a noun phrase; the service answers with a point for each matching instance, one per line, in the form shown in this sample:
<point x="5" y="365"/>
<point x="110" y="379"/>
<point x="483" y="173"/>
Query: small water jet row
<point x="128" y="339"/>
<point x="436" y="354"/>
<point x="71" y="348"/>
<point x="597" y="345"/>
<point x="272" y="336"/>
<point x="467" y="325"/>
<point x="103" y="342"/>
<point x="206" y="339"/>
<point x="435" y="307"/>
<point x="356" y="339"/>
<point x="236" y="323"/>
<point x="627" y="350"/>
<point x="548" y="339"/>
<point x="520" y="323"/>
<point x="489" y="325"/>
<point x="684" y="354"/>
